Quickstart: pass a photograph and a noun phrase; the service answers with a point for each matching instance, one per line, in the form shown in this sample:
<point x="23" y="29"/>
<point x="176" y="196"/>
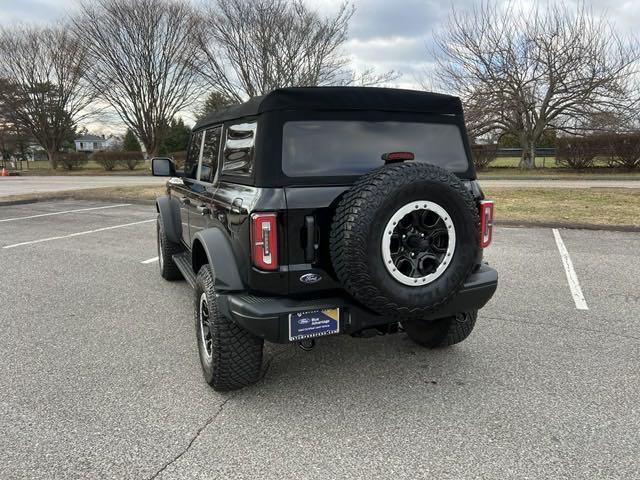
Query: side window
<point x="193" y="156"/>
<point x="210" y="154"/>
<point x="239" y="148"/>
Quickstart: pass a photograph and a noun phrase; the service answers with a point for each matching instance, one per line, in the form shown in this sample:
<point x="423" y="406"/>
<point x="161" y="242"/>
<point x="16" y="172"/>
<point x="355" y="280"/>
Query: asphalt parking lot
<point x="100" y="378"/>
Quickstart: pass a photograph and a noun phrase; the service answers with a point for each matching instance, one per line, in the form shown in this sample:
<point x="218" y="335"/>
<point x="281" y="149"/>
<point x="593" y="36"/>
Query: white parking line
<point x="63" y="212"/>
<point x="572" y="278"/>
<point x="151" y="260"/>
<point x="31" y="242"/>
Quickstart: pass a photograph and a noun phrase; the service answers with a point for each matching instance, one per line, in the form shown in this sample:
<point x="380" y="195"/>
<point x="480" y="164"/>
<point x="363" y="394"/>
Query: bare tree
<point x="254" y="46"/>
<point x="143" y="60"/>
<point x="527" y="71"/>
<point x="44" y="89"/>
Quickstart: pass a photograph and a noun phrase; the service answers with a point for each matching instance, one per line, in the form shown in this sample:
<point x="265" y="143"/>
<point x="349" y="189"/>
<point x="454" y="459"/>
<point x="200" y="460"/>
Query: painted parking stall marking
<point x="77" y="234"/>
<point x="64" y="212"/>
<point x="572" y="278"/>
<point x="150" y="260"/>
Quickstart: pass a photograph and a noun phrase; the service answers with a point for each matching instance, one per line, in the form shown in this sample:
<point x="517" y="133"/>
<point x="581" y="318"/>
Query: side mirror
<point x="163" y="167"/>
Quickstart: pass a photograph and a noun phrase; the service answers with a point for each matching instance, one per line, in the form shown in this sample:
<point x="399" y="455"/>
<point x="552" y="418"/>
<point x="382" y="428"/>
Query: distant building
<point x="90" y="143"/>
<point x="97" y="143"/>
<point x="113" y="142"/>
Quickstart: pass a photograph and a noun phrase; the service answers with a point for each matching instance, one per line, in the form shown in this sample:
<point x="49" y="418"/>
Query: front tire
<point x="231" y="357"/>
<point x="443" y="332"/>
<point x="166" y="250"/>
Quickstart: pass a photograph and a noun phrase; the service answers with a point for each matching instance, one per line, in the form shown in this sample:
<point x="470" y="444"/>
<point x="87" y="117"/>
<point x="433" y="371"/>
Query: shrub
<point x="626" y="150"/>
<point x="71" y="160"/>
<point x="131" y="159"/>
<point x="108" y="160"/>
<point x="483" y="155"/>
<point x="578" y="152"/>
<point x="179" y="158"/>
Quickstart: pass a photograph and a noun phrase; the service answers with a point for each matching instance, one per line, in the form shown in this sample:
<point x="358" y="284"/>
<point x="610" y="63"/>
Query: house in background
<point x="113" y="142"/>
<point x="96" y="143"/>
<point x="90" y="143"/>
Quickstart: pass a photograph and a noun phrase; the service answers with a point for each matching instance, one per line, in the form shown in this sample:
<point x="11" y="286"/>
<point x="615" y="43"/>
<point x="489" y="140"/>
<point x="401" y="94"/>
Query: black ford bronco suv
<point x="329" y="210"/>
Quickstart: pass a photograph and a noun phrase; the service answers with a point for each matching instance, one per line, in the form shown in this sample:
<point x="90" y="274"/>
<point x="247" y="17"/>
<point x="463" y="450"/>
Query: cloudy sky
<point x="384" y="34"/>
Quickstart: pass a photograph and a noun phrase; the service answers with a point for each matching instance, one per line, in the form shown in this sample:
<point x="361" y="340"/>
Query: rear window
<point x="336" y="148"/>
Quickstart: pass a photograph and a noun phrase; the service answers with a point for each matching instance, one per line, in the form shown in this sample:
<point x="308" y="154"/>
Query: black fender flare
<point x="215" y="244"/>
<point x="169" y="210"/>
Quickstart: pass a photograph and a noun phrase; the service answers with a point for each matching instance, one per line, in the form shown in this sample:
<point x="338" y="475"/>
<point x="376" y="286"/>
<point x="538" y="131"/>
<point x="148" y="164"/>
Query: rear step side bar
<point x="183" y="262"/>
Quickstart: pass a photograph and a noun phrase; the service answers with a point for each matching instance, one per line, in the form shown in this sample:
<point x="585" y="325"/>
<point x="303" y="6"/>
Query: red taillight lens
<point x="391" y="157"/>
<point x="264" y="240"/>
<point x="486" y="223"/>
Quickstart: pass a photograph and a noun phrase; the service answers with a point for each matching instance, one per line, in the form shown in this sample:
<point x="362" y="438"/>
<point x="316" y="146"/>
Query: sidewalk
<point x="10" y="186"/>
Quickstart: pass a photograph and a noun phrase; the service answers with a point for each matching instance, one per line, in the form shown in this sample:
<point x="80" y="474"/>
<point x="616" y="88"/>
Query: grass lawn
<point x="513" y="162"/>
<point x="557" y="173"/>
<point x="507" y="167"/>
<point x="107" y="194"/>
<point x="541" y="162"/>
<point x="41" y="167"/>
<point x="567" y="206"/>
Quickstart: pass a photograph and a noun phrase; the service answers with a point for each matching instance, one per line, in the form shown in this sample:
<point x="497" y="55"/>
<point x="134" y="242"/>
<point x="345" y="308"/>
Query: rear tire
<point x="231" y="357"/>
<point x="166" y="250"/>
<point x="443" y="332"/>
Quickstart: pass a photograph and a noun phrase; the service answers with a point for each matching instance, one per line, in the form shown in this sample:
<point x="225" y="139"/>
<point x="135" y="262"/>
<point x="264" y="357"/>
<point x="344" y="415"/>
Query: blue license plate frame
<point x="314" y="323"/>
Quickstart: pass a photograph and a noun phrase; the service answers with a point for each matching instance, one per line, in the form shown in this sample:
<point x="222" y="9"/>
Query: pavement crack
<point x="213" y="417"/>
<point x="195" y="437"/>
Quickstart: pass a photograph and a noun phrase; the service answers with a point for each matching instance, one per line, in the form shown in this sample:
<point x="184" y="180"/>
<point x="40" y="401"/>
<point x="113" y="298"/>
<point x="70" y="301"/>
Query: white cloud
<point x="384" y="34"/>
<point x="34" y="11"/>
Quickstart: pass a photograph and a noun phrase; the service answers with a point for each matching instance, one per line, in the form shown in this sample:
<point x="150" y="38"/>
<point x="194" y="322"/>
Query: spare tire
<point x="404" y="238"/>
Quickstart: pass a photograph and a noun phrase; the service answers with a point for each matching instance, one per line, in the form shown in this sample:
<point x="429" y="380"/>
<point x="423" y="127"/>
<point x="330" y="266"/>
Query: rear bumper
<point x="268" y="317"/>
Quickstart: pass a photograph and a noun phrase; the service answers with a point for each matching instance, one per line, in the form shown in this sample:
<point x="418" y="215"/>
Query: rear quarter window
<point x="239" y="148"/>
<point x="337" y="148"/>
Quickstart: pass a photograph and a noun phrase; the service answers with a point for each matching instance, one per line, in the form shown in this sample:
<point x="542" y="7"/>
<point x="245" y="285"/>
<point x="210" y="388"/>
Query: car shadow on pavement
<point x="344" y="364"/>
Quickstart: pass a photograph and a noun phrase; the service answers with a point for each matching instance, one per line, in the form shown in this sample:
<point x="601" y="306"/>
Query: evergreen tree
<point x="130" y="142"/>
<point x="176" y="137"/>
<point x="214" y="101"/>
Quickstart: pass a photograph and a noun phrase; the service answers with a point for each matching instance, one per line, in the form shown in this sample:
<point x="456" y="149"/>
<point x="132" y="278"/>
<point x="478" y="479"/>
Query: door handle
<point x="185" y="201"/>
<point x="203" y="210"/>
<point x="311" y="246"/>
<point x="236" y="205"/>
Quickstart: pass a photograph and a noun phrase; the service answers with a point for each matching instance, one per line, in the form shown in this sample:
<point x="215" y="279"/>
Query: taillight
<point x="391" y="157"/>
<point x="264" y="240"/>
<point x="486" y="223"/>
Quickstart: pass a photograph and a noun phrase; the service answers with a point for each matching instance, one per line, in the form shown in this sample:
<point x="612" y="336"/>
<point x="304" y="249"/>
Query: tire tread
<point x="237" y="353"/>
<point x="169" y="270"/>
<point x="348" y="238"/>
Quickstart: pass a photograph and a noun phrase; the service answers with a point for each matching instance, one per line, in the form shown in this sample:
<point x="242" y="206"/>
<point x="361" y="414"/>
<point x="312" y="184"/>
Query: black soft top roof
<point x="338" y="98"/>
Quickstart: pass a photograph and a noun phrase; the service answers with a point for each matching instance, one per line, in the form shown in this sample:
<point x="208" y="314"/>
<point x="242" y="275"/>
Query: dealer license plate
<point x="314" y="323"/>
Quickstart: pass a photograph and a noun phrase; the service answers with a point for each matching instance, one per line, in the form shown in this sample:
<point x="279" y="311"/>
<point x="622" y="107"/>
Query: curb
<point x="28" y="201"/>
<point x="567" y="225"/>
<point x="595" y="178"/>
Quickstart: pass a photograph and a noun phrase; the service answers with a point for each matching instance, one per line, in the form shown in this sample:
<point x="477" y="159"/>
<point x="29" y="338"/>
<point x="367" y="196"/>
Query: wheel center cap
<point x="416" y="241"/>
